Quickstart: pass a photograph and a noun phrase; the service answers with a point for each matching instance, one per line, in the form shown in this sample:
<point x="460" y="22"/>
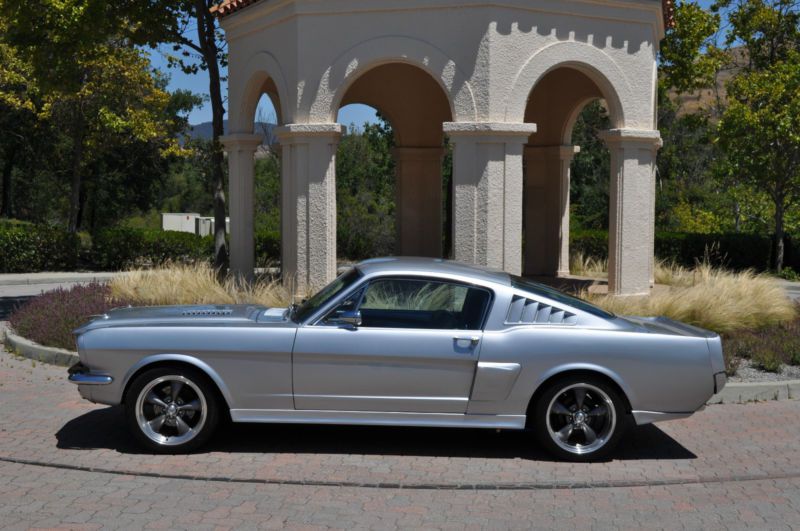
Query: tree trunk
<point x="206" y="25"/>
<point x="75" y="186"/>
<point x="779" y="233"/>
<point x="8" y="166"/>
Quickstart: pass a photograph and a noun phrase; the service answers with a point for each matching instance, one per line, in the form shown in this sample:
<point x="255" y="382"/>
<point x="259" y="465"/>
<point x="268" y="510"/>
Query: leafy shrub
<point x="29" y="248"/>
<point x="769" y="346"/>
<point x="122" y="247"/>
<point x="767" y="359"/>
<point x="50" y="318"/>
<point x="790" y="274"/>
<point x="268" y="247"/>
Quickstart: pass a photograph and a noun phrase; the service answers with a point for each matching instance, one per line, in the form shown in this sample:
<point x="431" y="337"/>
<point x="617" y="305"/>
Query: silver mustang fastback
<point x="401" y="342"/>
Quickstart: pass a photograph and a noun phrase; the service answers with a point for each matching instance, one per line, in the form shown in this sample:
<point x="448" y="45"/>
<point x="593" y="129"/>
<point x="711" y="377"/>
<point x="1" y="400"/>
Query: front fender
<point x="180" y="358"/>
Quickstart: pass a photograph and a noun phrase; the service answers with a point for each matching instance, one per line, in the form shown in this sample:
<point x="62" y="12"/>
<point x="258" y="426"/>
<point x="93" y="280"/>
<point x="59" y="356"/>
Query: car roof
<point x="432" y="266"/>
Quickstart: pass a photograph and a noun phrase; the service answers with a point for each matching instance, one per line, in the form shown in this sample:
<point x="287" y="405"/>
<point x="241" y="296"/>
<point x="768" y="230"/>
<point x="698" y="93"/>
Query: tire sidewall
<point x="539" y="421"/>
<point x="212" y="409"/>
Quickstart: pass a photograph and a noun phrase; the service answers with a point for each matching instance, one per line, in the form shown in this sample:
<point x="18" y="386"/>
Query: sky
<point x="198" y="83"/>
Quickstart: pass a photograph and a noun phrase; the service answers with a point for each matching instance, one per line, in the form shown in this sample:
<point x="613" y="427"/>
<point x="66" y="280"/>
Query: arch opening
<point x="267" y="183"/>
<point x="559" y="156"/>
<point x="392" y="170"/>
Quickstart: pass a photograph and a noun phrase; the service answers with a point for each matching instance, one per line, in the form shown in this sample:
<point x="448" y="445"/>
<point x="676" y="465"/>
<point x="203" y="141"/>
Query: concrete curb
<point x="741" y="392"/>
<point x="28" y="349"/>
<point x="54" y="278"/>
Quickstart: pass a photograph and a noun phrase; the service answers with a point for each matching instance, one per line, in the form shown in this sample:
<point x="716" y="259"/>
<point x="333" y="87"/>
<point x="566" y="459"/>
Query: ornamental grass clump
<point x="711" y="298"/>
<point x="50" y="318"/>
<point x="195" y="284"/>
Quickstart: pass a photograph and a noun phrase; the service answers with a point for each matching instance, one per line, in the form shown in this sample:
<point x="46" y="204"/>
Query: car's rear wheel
<point x="580" y="418"/>
<point x="172" y="409"/>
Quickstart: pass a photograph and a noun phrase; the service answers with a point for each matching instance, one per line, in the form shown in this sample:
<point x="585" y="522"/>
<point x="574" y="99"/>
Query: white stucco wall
<point x="487" y="57"/>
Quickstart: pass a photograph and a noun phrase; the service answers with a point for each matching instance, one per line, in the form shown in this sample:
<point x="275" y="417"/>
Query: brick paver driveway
<point x="66" y="462"/>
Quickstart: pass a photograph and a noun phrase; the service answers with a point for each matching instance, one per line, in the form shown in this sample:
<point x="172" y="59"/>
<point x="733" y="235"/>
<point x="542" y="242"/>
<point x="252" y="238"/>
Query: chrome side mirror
<point x="349" y="318"/>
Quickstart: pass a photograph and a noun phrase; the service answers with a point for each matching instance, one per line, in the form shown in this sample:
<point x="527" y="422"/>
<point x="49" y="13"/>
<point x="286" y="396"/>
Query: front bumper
<point x="81" y="375"/>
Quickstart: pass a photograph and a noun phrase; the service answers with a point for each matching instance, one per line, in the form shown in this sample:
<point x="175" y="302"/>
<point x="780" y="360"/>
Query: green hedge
<point x="27" y="248"/>
<point x="735" y="251"/>
<point x="121" y="247"/>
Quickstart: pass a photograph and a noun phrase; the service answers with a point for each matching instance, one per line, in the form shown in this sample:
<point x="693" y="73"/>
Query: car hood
<point x="663" y="325"/>
<point x="195" y="315"/>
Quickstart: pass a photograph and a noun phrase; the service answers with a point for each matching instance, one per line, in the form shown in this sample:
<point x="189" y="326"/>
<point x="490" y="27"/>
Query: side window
<point x="418" y="303"/>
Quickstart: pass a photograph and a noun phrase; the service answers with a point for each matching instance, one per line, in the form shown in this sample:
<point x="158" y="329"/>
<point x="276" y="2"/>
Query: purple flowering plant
<point x="50" y="318"/>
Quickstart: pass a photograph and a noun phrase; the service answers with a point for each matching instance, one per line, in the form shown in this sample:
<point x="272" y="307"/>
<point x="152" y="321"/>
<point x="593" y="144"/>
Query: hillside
<point x="203" y="131"/>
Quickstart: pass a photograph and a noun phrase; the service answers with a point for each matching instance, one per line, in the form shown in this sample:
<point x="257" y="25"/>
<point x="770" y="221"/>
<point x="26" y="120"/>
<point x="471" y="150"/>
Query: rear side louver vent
<point x="528" y="311"/>
<point x="209" y="313"/>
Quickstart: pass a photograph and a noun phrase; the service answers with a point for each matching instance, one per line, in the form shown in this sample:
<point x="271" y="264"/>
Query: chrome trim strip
<point x="82" y="378"/>
<point x="379" y="418"/>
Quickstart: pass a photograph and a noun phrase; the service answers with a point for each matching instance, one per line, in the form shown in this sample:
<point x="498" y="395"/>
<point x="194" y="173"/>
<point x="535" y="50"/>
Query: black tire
<point x="592" y="430"/>
<point x="163" y="421"/>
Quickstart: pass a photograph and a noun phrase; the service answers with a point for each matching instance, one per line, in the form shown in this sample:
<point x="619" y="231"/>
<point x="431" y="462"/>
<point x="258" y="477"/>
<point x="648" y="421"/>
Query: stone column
<point x="487" y="192"/>
<point x="631" y="231"/>
<point x="419" y="201"/>
<point x="240" y="148"/>
<point x="547" y="181"/>
<point x="308" y="205"/>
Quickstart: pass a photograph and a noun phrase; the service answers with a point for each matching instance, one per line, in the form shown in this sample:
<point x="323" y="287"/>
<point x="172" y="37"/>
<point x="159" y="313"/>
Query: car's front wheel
<point x="580" y="418"/>
<point x="172" y="409"/>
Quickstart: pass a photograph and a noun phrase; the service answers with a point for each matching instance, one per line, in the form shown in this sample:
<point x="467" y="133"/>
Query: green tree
<point x="17" y="117"/>
<point x="688" y="59"/>
<point x="768" y="29"/>
<point x="96" y="87"/>
<point x="760" y="134"/>
<point x="365" y="183"/>
<point x="590" y="169"/>
<point x="191" y="29"/>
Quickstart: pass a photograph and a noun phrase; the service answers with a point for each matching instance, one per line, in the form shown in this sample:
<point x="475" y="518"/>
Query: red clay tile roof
<point x="226" y="7"/>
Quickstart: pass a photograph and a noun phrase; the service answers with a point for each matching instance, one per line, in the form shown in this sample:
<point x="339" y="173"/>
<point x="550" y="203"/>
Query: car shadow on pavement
<point x="106" y="428"/>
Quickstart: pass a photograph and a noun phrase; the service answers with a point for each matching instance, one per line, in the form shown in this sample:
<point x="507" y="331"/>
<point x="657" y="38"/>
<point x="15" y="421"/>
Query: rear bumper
<point x="720" y="379"/>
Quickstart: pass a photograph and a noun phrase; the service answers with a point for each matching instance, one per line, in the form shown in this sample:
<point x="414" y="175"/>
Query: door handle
<point x="473" y="340"/>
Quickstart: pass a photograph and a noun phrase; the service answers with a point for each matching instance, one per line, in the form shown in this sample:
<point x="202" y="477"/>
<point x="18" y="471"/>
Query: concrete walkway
<point x="792" y="288"/>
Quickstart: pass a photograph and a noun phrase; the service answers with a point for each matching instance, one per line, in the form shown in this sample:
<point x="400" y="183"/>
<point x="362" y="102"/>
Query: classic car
<point x="401" y="342"/>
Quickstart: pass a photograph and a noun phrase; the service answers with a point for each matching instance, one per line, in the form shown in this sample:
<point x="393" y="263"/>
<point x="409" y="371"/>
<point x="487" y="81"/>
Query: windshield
<point x="546" y="291"/>
<point x="310" y="306"/>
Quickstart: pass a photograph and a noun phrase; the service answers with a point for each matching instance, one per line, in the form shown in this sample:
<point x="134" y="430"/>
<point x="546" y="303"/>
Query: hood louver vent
<point x="207" y="312"/>
<point x="529" y="311"/>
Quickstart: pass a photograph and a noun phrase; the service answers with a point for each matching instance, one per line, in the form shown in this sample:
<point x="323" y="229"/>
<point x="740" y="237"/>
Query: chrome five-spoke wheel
<point x="580" y="418"/>
<point x="171" y="410"/>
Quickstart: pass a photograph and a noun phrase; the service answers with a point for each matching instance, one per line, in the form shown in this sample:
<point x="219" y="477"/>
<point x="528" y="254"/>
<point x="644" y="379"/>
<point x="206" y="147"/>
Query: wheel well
<point x="177" y="364"/>
<point x="576" y="373"/>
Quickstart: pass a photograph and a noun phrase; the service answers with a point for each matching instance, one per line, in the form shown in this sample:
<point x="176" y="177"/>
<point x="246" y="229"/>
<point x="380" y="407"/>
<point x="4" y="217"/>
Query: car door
<point x="416" y="349"/>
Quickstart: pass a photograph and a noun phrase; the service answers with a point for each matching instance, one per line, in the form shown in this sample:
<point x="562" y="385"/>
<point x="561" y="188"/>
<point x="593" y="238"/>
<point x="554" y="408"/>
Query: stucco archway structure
<point x="504" y="80"/>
